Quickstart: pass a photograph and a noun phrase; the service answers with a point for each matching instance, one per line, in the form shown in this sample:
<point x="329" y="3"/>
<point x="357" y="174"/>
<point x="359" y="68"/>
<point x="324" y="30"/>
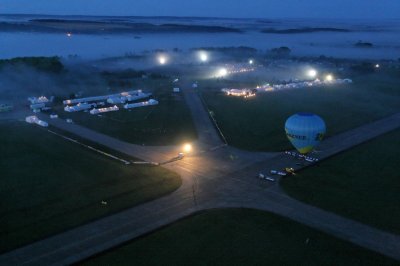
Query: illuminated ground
<point x="238" y="236"/>
<point x="361" y="183"/>
<point x="48" y="184"/>
<point x="257" y="123"/>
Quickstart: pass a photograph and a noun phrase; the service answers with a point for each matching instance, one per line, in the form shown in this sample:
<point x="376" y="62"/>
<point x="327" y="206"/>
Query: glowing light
<point x="251" y="61"/>
<point x="329" y="77"/>
<point x="187" y="147"/>
<point x="377" y="66"/>
<point x="203" y="56"/>
<point x="69" y="34"/>
<point x="312" y="73"/>
<point x="162" y="60"/>
<point x="222" y="72"/>
<point x="245" y="93"/>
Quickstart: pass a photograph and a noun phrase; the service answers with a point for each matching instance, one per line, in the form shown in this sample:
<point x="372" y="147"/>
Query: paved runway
<point x="217" y="176"/>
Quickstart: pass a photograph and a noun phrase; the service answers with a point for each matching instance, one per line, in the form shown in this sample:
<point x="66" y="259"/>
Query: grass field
<point x="167" y="123"/>
<point x="238" y="237"/>
<point x="258" y="123"/>
<point x="362" y="183"/>
<point x="48" y="184"/>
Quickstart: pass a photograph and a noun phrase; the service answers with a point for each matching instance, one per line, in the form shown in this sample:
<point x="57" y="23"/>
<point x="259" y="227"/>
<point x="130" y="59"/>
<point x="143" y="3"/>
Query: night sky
<point x="358" y="9"/>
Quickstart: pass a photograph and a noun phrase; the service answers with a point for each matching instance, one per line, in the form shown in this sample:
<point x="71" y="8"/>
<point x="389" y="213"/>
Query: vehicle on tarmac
<point x="276" y="172"/>
<point x="263" y="176"/>
<point x="290" y="170"/>
<point x="270" y="178"/>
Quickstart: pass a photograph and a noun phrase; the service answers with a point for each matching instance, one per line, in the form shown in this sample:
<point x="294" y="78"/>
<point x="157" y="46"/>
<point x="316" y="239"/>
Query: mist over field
<point x="20" y="81"/>
<point x="101" y="37"/>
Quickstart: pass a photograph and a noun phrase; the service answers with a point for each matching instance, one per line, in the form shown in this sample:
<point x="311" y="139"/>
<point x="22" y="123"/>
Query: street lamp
<point x="312" y="73"/>
<point x="203" y="57"/>
<point x="222" y="72"/>
<point x="329" y="77"/>
<point x="187" y="148"/>
<point x="162" y="60"/>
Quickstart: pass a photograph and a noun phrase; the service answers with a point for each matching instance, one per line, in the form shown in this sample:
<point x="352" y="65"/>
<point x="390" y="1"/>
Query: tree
<point x="282" y="51"/>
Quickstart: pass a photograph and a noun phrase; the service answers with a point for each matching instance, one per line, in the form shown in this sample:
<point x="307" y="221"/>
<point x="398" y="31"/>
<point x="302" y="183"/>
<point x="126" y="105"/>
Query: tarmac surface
<point x="215" y="176"/>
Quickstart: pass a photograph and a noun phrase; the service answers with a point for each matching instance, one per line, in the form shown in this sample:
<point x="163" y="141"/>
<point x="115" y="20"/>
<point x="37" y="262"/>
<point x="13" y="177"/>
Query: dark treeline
<point x="49" y="64"/>
<point x="303" y="30"/>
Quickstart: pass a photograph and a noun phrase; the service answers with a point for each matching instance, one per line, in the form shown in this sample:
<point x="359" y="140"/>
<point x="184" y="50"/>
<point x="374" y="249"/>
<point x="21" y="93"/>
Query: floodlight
<point x="222" y="72"/>
<point x="312" y="73"/>
<point x="329" y="77"/>
<point x="162" y="60"/>
<point x="187" y="147"/>
<point x="203" y="56"/>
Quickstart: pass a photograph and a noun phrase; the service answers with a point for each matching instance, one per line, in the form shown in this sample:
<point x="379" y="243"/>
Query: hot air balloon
<point x="305" y="131"/>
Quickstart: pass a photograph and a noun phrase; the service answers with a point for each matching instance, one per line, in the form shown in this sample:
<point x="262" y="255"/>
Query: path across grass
<point x="238" y="237"/>
<point x="48" y="184"/>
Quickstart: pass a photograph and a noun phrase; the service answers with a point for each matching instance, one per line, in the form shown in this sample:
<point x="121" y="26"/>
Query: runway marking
<point x="90" y="147"/>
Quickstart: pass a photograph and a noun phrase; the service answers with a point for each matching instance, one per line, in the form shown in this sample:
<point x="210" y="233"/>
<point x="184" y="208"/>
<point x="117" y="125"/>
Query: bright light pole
<point x="162" y="60"/>
<point x="222" y="72"/>
<point x="203" y="57"/>
<point x="312" y="73"/>
<point x="187" y="148"/>
<point x="329" y="77"/>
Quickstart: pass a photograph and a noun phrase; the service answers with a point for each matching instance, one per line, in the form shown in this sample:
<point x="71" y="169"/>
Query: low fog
<point x="18" y="82"/>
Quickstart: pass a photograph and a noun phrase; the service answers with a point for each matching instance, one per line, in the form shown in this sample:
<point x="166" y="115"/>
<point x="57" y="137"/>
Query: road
<point x="215" y="176"/>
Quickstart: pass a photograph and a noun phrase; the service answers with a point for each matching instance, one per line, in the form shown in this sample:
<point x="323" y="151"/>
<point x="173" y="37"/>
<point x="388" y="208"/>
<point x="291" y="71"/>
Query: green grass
<point x="238" y="237"/>
<point x="362" y="184"/>
<point x="48" y="184"/>
<point x="258" y="123"/>
<point x="167" y="123"/>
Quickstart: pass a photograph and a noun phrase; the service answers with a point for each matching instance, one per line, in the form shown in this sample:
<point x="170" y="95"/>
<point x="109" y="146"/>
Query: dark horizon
<point x="199" y="17"/>
<point x="352" y="9"/>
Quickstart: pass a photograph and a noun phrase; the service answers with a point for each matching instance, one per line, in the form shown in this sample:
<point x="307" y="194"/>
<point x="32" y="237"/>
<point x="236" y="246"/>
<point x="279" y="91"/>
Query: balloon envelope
<point x="305" y="131"/>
